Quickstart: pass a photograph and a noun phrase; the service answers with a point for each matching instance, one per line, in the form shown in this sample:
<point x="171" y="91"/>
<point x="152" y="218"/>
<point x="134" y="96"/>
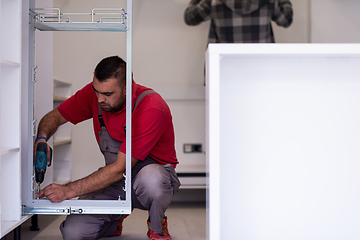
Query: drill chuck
<point x="39" y="175"/>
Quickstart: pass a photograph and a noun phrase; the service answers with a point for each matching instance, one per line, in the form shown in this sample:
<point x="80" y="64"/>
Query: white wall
<point x="335" y="21"/>
<point x="166" y="53"/>
<point x="299" y="30"/>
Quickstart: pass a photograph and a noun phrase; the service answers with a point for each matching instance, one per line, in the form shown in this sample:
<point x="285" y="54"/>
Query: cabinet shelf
<point x="7" y="63"/>
<point x="101" y="19"/>
<point x="4" y="151"/>
<point x="59" y="99"/>
<point x="192" y="177"/>
<point x="183" y="168"/>
<point x="62" y="181"/>
<point x="106" y="27"/>
<point x="8" y="226"/>
<point x="61" y="142"/>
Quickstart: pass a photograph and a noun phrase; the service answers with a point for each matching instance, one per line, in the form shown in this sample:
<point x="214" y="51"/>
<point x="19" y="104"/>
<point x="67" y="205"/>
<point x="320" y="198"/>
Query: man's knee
<point x="69" y="231"/>
<point x="75" y="229"/>
<point x="154" y="182"/>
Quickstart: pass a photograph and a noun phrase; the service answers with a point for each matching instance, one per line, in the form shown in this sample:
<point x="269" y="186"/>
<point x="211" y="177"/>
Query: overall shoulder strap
<point x="101" y="120"/>
<point x="141" y="96"/>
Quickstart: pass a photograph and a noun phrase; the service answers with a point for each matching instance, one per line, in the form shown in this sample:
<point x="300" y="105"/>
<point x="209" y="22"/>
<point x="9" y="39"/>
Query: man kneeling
<point x="154" y="180"/>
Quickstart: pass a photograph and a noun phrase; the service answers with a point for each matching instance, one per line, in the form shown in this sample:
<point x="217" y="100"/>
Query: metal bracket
<point x="60" y="211"/>
<point x="125" y="179"/>
<point x="34" y="74"/>
<point x="26" y="210"/>
<point x="76" y="211"/>
<point x="33" y="128"/>
<point x="33" y="183"/>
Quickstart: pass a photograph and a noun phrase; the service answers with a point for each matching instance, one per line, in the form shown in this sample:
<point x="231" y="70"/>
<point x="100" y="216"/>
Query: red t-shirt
<point x="152" y="127"/>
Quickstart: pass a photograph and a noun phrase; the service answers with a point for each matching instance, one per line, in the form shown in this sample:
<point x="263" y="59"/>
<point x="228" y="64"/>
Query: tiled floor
<point x="187" y="221"/>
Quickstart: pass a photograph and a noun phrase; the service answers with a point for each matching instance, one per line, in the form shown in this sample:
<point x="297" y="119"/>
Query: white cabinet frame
<point x="44" y="206"/>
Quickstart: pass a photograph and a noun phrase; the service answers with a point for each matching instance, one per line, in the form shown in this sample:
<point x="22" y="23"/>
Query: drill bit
<point x="37" y="189"/>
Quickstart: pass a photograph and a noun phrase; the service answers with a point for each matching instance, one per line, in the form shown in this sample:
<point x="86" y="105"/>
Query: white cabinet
<point x="44" y="20"/>
<point x="10" y="115"/>
<point x="283" y="141"/>
<point x="18" y="108"/>
<point x="62" y="137"/>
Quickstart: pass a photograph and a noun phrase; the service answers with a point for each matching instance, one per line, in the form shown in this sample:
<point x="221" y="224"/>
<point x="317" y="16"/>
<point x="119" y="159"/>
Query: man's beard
<point x="111" y="109"/>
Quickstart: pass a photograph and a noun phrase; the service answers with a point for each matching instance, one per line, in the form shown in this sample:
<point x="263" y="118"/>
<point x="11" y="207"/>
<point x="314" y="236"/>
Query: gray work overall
<point x="153" y="186"/>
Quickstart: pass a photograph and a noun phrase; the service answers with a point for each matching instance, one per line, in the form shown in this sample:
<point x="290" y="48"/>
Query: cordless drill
<point x="41" y="162"/>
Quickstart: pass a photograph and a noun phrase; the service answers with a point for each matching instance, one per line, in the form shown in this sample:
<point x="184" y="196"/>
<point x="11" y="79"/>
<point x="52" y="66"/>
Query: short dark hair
<point x="111" y="67"/>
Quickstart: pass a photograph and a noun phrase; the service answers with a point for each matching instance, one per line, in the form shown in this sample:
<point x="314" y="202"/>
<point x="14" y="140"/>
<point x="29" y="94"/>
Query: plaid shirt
<point x="240" y="21"/>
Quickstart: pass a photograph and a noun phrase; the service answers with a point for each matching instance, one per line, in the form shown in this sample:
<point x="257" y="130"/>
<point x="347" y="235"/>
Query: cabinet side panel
<point x="27" y="92"/>
<point x="289" y="147"/>
<point x="10" y="32"/>
<point x="10" y="106"/>
<point x="10" y="190"/>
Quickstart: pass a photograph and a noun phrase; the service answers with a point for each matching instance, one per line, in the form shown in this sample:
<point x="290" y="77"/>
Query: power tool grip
<point x="41" y="156"/>
<point x="50" y="157"/>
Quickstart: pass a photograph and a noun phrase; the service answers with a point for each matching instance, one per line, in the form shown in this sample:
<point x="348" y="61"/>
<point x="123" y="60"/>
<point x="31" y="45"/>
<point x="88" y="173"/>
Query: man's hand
<point x="197" y="11"/>
<point x="47" y="127"/>
<point x="54" y="192"/>
<point x="95" y="181"/>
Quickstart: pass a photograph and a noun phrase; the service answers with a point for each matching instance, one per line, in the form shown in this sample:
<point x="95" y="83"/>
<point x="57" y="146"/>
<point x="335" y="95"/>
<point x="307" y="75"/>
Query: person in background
<point x="154" y="180"/>
<point x="240" y="21"/>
